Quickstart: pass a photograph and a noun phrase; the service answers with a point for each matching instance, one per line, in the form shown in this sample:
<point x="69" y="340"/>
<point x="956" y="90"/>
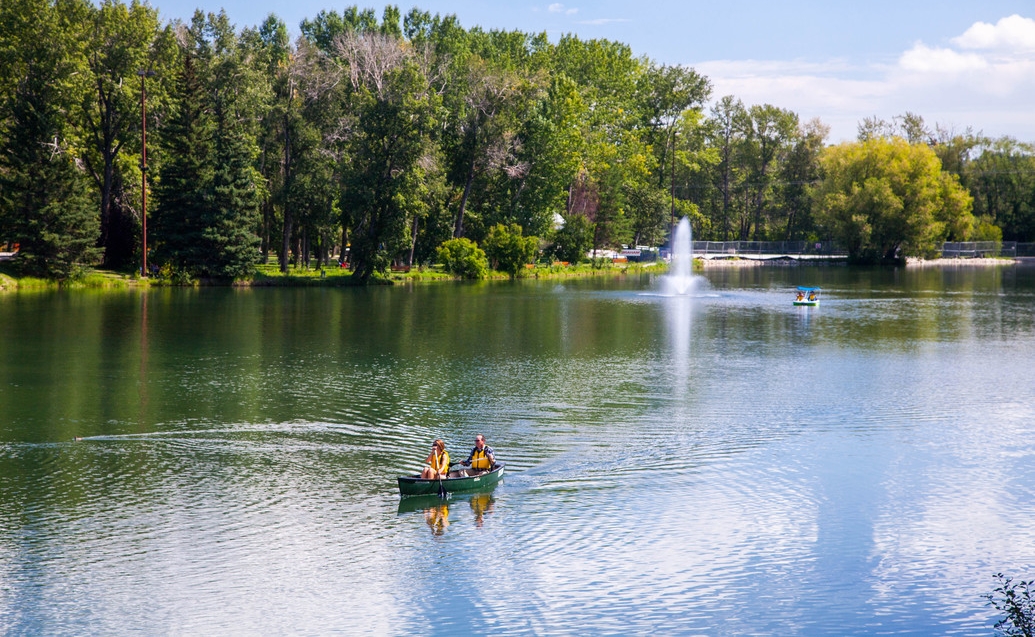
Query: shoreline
<point x="911" y="262"/>
<point x="107" y="280"/>
<point x="914" y="262"/>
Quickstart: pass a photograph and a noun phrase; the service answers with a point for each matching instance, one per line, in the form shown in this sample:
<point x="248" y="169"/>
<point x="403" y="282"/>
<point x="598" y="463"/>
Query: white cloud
<point x="557" y="7"/>
<point x="1013" y="32"/>
<point x="924" y="59"/>
<point x="986" y="80"/>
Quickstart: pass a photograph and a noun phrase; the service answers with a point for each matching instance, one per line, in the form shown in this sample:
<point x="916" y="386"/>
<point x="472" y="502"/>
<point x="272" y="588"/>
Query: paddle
<point x="441" y="487"/>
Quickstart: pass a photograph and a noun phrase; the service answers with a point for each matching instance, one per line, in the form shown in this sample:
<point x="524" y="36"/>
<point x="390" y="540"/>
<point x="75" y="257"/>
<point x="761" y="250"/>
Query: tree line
<point x="395" y="134"/>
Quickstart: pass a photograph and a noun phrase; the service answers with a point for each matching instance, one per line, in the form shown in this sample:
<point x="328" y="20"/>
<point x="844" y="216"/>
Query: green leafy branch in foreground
<point x="1015" y="600"/>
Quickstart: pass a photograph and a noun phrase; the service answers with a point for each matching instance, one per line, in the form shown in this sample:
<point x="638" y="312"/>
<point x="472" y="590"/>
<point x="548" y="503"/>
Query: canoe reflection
<point x="436" y="511"/>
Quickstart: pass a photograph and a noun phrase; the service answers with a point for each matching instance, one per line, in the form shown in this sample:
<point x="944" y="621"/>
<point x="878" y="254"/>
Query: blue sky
<point x="958" y="63"/>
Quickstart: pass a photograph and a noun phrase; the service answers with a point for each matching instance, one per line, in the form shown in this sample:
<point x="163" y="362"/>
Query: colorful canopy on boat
<point x="805" y="289"/>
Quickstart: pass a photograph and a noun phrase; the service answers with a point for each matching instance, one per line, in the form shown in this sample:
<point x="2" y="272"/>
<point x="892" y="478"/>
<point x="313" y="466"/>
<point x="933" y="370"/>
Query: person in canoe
<point x="436" y="465"/>
<point x="482" y="457"/>
<point x="800" y="297"/>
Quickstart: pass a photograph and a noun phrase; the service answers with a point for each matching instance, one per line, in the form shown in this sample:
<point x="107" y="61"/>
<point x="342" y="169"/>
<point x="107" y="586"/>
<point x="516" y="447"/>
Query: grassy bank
<point x="538" y="271"/>
<point x="90" y="280"/>
<point x="269" y="275"/>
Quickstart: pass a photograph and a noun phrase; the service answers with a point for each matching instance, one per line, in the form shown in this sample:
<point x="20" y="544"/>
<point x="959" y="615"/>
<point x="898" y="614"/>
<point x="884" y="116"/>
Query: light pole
<point x="143" y="165"/>
<point x="672" y="179"/>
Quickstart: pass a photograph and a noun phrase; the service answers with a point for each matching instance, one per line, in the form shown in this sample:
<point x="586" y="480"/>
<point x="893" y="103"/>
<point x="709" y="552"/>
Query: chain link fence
<point x="950" y="250"/>
<point x="974" y="249"/>
<point x="789" y="248"/>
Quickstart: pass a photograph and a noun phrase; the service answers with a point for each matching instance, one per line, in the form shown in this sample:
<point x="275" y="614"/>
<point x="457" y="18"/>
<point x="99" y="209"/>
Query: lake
<point x="718" y="464"/>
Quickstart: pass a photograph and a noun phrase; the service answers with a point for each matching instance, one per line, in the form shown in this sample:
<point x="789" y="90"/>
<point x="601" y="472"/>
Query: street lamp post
<point x="672" y="179"/>
<point x="143" y="165"/>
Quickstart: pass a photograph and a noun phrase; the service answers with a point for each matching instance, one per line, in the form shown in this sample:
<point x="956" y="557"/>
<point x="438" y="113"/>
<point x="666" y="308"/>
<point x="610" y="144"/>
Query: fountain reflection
<point x="678" y="319"/>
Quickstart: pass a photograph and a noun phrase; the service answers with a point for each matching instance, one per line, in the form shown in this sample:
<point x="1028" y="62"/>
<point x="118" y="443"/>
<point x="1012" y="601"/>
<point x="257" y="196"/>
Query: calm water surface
<point x="721" y="464"/>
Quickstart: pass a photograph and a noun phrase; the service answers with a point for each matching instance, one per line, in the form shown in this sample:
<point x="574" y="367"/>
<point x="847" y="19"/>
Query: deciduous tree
<point x="885" y="198"/>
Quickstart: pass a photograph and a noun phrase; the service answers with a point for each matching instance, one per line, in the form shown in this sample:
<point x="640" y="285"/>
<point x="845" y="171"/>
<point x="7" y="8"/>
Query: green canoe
<point x="415" y="485"/>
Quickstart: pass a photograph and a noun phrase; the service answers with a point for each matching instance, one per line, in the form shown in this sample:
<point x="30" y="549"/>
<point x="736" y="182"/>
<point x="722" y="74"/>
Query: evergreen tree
<point x="208" y="195"/>
<point x="45" y="203"/>
<point x="55" y="218"/>
<point x="182" y="190"/>
<point x="232" y="247"/>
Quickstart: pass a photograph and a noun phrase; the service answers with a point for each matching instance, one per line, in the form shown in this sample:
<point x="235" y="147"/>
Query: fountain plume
<point x="680" y="279"/>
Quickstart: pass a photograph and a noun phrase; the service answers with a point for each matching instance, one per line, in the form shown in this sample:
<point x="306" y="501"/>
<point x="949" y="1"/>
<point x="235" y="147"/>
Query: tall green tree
<point x="726" y="127"/>
<point x="1002" y="181"/>
<point x="182" y="192"/>
<point x="770" y="133"/>
<point x="118" y="42"/>
<point x="231" y="223"/>
<point x="270" y="52"/>
<point x="616" y="159"/>
<point x="392" y="111"/>
<point x="665" y="93"/>
<point x="799" y="174"/>
<point x="208" y="224"/>
<point x="44" y="198"/>
<point x="237" y="94"/>
<point x="486" y="130"/>
<point x="296" y="156"/>
<point x="885" y="198"/>
<point x="549" y="157"/>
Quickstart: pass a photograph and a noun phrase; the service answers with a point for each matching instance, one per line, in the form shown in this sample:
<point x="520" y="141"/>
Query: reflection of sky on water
<point x="716" y="464"/>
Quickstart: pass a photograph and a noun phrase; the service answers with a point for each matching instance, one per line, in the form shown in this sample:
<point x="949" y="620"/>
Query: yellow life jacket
<point x="440" y="463"/>
<point x="480" y="459"/>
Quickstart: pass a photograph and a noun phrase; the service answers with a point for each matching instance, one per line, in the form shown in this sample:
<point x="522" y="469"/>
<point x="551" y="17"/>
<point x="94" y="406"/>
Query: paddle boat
<point x="460" y="480"/>
<point x="807" y="296"/>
